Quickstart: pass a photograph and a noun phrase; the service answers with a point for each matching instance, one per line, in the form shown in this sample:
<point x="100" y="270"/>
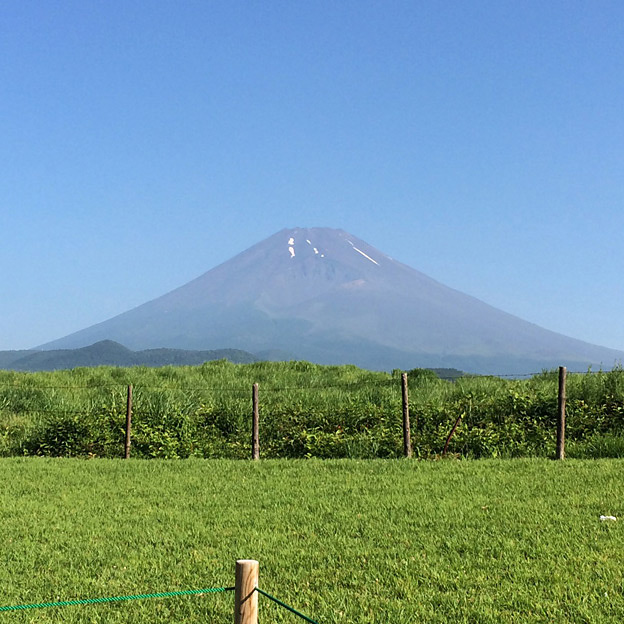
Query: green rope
<point x="87" y="601"/>
<point x="282" y="604"/>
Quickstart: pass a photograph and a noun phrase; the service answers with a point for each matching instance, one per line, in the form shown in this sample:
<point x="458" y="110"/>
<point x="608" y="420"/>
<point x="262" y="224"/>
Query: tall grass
<point x="306" y="410"/>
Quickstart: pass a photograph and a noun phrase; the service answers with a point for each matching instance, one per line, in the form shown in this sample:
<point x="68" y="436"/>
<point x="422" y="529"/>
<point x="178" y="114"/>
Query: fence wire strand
<point x="89" y="601"/>
<point x="243" y="390"/>
<point x="285" y="606"/>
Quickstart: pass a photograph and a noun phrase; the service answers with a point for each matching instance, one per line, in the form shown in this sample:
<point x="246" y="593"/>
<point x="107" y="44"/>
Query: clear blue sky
<point x="143" y="143"/>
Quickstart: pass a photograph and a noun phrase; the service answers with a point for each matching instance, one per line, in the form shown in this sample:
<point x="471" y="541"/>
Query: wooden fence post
<point x="450" y="435"/>
<point x="255" y="427"/>
<point x="128" y="423"/>
<point x="245" y="594"/>
<point x="407" y="440"/>
<point x="561" y="413"/>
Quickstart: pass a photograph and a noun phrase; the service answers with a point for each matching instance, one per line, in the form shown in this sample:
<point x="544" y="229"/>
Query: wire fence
<point x="362" y="417"/>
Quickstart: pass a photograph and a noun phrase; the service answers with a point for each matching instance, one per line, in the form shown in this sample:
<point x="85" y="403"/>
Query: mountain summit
<point x="324" y="295"/>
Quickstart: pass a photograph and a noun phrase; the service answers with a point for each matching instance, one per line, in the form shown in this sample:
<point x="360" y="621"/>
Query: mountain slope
<point x="327" y="296"/>
<point x="8" y="357"/>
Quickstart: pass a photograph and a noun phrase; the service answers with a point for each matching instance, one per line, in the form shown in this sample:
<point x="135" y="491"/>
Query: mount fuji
<point x="324" y="295"/>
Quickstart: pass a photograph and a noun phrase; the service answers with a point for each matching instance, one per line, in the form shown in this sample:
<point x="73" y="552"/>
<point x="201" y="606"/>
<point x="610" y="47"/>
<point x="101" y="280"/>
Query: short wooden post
<point x="245" y="594"/>
<point x="128" y="422"/>
<point x="450" y="435"/>
<point x="407" y="440"/>
<point x="561" y="413"/>
<point x="255" y="427"/>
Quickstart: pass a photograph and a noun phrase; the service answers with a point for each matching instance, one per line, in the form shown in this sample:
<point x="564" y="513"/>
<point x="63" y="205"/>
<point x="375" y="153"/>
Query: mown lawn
<point x="342" y="540"/>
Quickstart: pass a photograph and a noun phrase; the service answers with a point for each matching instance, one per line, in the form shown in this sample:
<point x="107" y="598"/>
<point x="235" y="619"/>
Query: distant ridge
<point x="326" y="296"/>
<point x="110" y="353"/>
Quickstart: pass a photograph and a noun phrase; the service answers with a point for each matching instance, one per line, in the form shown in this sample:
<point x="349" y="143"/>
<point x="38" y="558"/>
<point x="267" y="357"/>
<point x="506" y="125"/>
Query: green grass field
<point x="342" y="540"/>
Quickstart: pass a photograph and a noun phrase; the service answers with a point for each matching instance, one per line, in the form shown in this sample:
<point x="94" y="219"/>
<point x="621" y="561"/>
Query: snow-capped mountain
<point x="324" y="295"/>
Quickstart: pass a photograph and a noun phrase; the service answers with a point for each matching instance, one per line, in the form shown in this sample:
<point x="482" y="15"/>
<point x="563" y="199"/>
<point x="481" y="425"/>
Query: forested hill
<point x="110" y="353"/>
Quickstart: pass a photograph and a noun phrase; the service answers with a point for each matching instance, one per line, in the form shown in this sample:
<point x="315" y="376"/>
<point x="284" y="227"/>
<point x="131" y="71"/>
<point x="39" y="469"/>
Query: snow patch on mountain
<point x="367" y="257"/>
